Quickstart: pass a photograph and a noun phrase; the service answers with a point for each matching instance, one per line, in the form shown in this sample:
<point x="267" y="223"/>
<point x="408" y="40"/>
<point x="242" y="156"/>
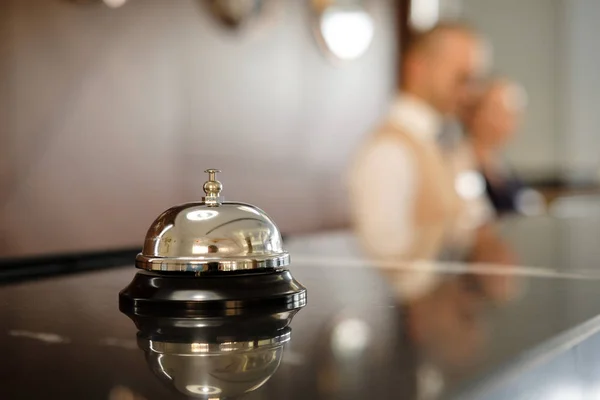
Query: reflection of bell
<point x="214" y="358"/>
<point x="215" y="374"/>
<point x="212" y="257"/>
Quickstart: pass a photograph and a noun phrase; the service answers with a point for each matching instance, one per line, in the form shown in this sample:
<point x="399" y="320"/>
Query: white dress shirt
<point x="384" y="180"/>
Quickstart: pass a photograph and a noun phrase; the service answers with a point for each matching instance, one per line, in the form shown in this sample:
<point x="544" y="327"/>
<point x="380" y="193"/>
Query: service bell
<point x="212" y="256"/>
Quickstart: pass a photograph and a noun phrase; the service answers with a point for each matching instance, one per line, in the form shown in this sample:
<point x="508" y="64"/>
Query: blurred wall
<point x="109" y="116"/>
<point x="580" y="94"/>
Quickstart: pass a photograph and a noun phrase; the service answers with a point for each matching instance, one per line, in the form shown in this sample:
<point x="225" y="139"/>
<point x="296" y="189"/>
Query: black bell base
<point x="176" y="295"/>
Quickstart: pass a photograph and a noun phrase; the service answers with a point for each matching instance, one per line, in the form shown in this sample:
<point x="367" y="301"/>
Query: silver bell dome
<point x="212" y="235"/>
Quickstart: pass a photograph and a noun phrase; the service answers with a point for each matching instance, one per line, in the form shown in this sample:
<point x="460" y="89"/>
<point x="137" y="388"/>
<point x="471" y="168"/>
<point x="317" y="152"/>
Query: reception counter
<point x="511" y="314"/>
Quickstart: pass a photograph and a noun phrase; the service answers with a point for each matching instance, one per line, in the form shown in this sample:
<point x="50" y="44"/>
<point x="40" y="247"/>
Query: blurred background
<point x="111" y="110"/>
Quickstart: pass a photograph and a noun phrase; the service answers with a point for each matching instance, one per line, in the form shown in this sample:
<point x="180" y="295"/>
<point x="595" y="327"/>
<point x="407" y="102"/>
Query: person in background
<point x="490" y="124"/>
<point x="402" y="192"/>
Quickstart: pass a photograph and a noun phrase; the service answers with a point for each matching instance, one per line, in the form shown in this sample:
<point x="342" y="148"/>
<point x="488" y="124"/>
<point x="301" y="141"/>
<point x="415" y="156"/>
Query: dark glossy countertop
<point x="422" y="330"/>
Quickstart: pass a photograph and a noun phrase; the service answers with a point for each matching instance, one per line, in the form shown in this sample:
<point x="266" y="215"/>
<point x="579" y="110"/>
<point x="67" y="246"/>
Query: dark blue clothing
<point x="503" y="195"/>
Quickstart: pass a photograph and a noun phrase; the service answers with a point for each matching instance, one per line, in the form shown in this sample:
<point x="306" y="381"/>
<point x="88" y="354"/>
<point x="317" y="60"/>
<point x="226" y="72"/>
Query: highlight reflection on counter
<point x="432" y="329"/>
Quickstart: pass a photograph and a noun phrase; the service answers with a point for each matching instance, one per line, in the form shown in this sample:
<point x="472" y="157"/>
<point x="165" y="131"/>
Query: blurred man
<point x="402" y="193"/>
<point x="490" y="125"/>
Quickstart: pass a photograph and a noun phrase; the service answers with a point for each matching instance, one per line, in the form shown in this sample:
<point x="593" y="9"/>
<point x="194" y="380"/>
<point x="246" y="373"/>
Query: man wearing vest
<point x="402" y="191"/>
